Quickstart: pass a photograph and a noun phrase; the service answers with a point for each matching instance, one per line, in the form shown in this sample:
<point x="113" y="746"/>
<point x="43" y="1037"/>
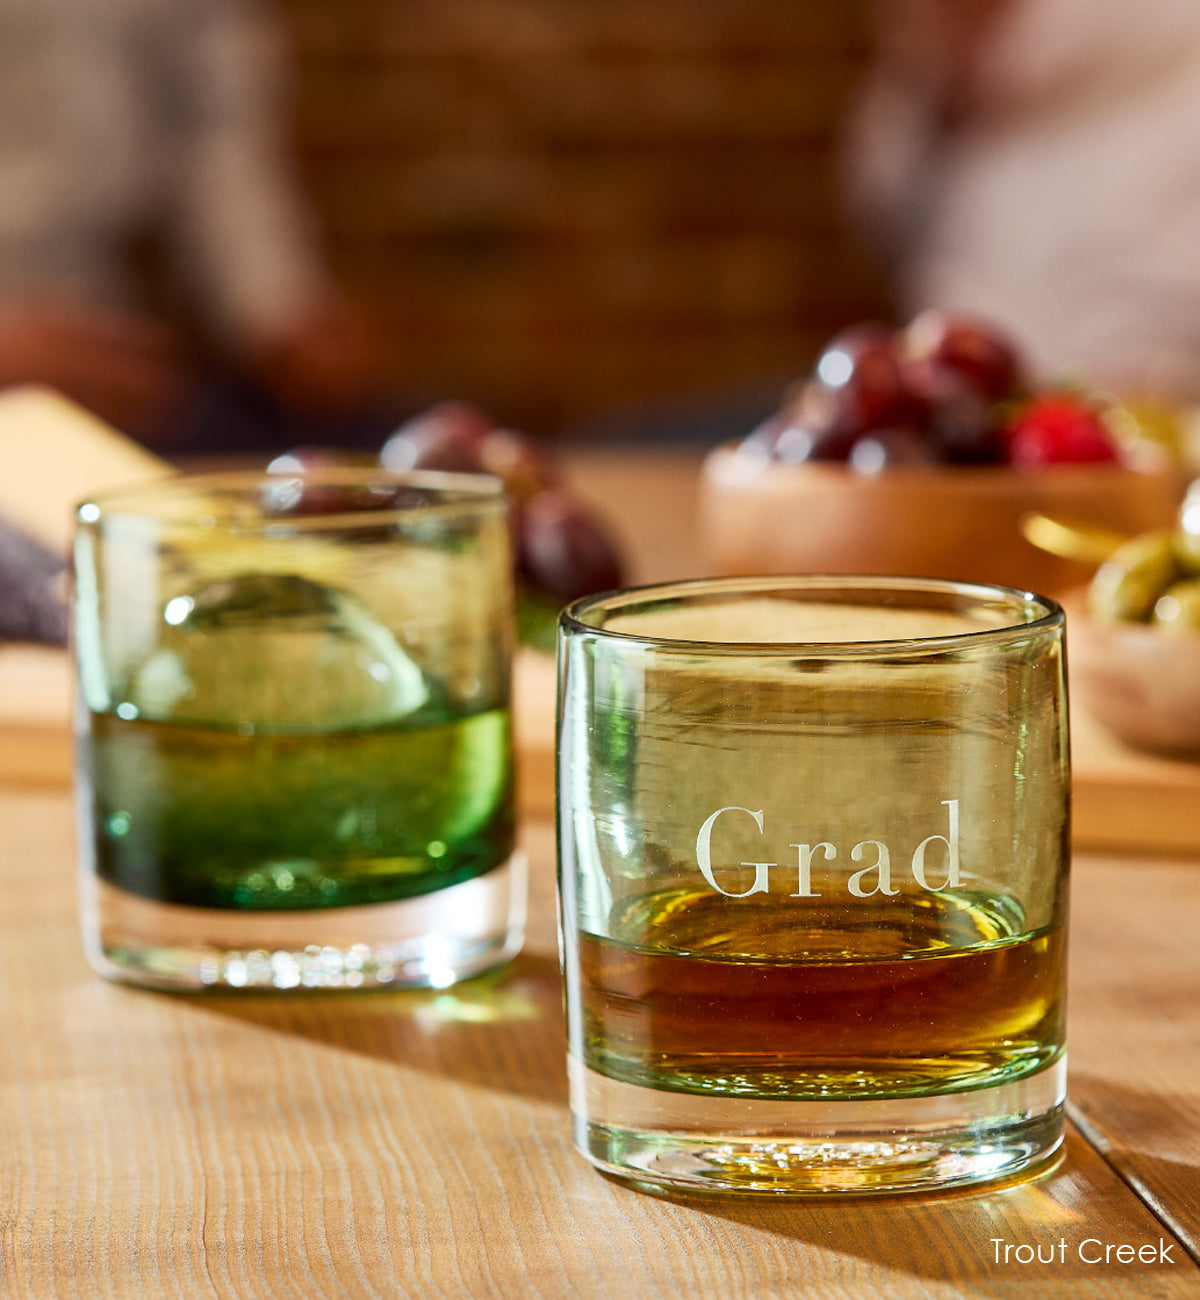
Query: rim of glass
<point x="1041" y="612"/>
<point x="236" y="498"/>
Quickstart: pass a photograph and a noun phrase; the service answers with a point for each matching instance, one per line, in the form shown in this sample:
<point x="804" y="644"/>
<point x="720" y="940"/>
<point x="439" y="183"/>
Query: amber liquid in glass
<point x="768" y="997"/>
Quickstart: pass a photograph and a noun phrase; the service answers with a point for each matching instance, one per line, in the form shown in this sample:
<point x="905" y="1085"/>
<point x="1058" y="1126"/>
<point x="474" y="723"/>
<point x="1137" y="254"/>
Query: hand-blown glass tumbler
<point x="295" y="757"/>
<point x="814" y="854"/>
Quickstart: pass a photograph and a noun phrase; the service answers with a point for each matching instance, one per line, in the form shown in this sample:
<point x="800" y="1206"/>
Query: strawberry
<point x="1058" y="429"/>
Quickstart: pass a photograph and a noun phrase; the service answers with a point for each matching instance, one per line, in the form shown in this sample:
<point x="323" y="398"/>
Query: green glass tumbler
<point x="813" y="878"/>
<point x="295" y="752"/>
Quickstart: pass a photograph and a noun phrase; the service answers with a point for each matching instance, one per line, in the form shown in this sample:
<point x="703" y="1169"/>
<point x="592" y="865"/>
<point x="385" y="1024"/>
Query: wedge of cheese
<point x="54" y="454"/>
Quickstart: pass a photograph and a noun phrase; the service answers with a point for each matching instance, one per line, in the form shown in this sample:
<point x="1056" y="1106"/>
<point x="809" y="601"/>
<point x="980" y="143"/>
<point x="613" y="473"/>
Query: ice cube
<point x="274" y="650"/>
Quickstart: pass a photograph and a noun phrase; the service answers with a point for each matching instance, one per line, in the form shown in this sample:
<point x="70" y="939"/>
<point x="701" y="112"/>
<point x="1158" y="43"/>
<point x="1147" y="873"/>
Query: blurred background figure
<point x="592" y="221"/>
<point x="157" y="261"/>
<point x="1037" y="162"/>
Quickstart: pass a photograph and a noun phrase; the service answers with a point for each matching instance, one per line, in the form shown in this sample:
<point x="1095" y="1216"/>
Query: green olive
<point x="1130" y="581"/>
<point x="1177" y="610"/>
<point x="1187" y="533"/>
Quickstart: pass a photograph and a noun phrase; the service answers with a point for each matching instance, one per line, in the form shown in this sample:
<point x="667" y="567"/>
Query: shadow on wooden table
<point x="959" y="1237"/>
<point x="502" y="1030"/>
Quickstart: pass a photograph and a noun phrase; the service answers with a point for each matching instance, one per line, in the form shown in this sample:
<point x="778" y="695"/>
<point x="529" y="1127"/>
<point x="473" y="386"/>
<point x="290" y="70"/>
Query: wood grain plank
<point x="35" y="717"/>
<point x="416" y="1145"/>
<point x="1135" y="1026"/>
<point x="1131" y="802"/>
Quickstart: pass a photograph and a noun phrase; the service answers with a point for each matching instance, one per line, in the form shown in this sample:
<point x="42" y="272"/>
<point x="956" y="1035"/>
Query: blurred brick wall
<point x="566" y="206"/>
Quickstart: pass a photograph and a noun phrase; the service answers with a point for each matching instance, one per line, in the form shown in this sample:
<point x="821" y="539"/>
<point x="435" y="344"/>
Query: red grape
<point x="883" y="449"/>
<point x="962" y="423"/>
<point x="291" y="491"/>
<point x="517" y="462"/>
<point x="563" y="549"/>
<point x="862" y="368"/>
<point x="798" y="443"/>
<point x="972" y="347"/>
<point x="449" y="437"/>
<point x="300" y="459"/>
<point x="814" y="426"/>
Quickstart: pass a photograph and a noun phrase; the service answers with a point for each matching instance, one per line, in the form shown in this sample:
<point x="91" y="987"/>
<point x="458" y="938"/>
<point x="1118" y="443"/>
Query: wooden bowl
<point x="1140" y="683"/>
<point x="761" y="516"/>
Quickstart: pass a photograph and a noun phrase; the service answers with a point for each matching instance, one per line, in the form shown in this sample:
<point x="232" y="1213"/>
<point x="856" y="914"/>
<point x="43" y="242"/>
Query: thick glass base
<point x="430" y="941"/>
<point x="815" y="1148"/>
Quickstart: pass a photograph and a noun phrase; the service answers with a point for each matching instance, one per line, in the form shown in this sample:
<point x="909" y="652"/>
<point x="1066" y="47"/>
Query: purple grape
<point x="975" y="349"/>
<point x="517" y="461"/>
<point x="562" y="548"/>
<point x="961" y="422"/>
<point x="885" y="449"/>
<point x="862" y="367"/>
<point x="447" y="437"/>
<point x="814" y="427"/>
<point x="295" y="485"/>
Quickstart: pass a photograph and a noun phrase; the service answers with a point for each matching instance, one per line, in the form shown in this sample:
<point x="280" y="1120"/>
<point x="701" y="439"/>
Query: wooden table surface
<point x="416" y="1144"/>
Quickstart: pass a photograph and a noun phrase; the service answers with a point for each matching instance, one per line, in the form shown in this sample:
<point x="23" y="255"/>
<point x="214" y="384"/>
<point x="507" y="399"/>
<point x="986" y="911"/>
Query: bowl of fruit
<point x="561" y="548"/>
<point x="919" y="451"/>
<point x="1135" y="638"/>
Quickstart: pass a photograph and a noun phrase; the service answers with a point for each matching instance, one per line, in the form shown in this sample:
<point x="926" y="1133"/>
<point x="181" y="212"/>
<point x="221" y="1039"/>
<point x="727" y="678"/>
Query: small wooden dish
<point x="761" y="516"/>
<point x="1141" y="684"/>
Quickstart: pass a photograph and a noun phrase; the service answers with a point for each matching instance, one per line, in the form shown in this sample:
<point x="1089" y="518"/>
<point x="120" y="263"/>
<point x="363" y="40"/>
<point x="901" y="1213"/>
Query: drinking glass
<point x="813" y="877"/>
<point x="294" y="745"/>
